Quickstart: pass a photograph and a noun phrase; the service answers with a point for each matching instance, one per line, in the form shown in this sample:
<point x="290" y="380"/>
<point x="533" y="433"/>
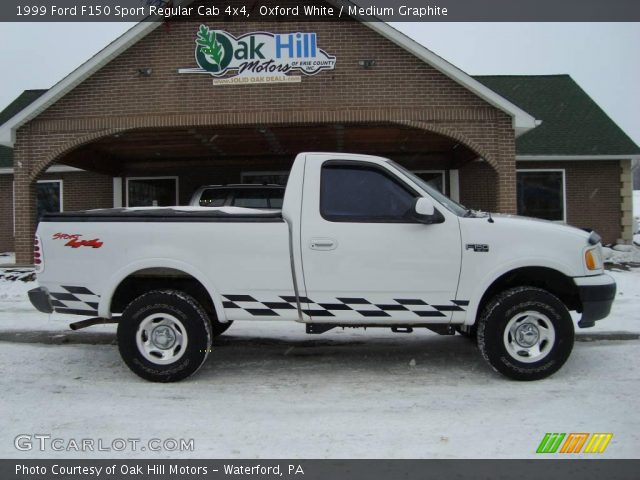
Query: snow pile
<point x="622" y="254"/>
<point x="14" y="291"/>
<point x="7" y="258"/>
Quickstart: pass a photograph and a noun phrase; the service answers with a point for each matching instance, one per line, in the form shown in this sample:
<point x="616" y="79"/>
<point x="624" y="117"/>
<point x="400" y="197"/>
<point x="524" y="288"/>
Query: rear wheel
<point x="526" y="333"/>
<point x="164" y="336"/>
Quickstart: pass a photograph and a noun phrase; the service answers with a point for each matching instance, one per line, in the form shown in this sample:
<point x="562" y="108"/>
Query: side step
<point x="440" y="329"/>
<point x="317" y="328"/>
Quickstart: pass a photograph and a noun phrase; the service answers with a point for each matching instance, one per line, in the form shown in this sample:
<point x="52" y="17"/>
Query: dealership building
<point x="165" y="109"/>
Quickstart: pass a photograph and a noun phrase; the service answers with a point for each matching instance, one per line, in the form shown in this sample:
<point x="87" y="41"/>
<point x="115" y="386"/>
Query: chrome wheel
<point x="529" y="336"/>
<point x="161" y="338"/>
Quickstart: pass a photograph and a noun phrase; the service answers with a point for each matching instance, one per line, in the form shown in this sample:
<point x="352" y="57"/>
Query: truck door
<point x="364" y="261"/>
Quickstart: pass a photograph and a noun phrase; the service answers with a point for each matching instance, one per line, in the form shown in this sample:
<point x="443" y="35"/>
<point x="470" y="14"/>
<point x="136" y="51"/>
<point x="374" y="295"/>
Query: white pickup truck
<point x="360" y="242"/>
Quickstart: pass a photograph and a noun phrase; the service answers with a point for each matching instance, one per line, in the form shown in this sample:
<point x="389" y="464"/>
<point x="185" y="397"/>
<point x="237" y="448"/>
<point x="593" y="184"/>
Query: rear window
<point x="243" y="197"/>
<point x="258" y="198"/>
<point x="214" y="197"/>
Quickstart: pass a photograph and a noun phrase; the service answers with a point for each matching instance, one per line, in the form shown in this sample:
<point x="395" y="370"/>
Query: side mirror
<point x="424" y="211"/>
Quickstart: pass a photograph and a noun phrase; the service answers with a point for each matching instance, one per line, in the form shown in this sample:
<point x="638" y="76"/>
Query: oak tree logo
<point x="213" y="50"/>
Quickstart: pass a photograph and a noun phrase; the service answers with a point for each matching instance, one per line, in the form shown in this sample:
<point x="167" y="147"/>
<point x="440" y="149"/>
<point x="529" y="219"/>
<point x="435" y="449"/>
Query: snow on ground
<point x="268" y="390"/>
<point x="341" y="396"/>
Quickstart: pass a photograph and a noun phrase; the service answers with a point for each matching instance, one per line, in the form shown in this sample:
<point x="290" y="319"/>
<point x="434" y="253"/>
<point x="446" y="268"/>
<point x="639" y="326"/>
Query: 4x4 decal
<point x="74" y="240"/>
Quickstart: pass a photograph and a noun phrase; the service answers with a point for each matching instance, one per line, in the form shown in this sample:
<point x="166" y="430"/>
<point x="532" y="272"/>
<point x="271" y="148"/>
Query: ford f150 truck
<point x="360" y="242"/>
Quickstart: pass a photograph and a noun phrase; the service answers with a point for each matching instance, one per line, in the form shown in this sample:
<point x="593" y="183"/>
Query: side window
<point x="214" y="197"/>
<point x="353" y="193"/>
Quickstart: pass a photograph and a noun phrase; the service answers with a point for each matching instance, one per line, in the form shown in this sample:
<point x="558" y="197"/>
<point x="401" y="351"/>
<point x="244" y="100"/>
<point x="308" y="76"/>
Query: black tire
<point x="218" y="328"/>
<point x="155" y="309"/>
<point x="502" y="351"/>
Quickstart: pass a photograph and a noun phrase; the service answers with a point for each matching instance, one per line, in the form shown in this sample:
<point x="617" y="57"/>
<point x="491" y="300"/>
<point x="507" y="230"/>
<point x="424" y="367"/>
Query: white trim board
<point x="584" y="158"/>
<point x="54" y="169"/>
<point x="522" y="121"/>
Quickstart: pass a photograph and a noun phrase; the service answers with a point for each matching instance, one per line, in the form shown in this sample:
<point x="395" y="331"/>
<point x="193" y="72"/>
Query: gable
<point x="107" y="83"/>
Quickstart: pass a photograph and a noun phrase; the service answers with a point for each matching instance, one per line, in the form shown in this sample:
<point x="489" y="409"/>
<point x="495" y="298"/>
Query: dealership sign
<point x="258" y="57"/>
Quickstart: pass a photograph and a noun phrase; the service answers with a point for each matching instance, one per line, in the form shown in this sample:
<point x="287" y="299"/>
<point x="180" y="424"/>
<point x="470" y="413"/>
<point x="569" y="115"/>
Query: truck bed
<point x="167" y="214"/>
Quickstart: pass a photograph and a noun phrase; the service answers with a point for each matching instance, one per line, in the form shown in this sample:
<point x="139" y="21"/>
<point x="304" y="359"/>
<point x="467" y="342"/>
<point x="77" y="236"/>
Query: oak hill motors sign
<point x="258" y="57"/>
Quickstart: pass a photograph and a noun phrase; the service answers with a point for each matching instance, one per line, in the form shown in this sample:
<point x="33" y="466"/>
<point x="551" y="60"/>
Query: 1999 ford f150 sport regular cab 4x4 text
<point x="360" y="241"/>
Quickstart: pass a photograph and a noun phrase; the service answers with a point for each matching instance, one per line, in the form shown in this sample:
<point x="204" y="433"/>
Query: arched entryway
<point x="186" y="157"/>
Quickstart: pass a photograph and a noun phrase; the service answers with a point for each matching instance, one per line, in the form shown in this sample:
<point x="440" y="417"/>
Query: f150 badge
<point x="74" y="240"/>
<point x="478" y="247"/>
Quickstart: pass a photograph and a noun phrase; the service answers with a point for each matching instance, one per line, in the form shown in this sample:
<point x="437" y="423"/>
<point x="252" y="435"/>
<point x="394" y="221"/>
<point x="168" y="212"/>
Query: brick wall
<point x="477" y="185"/>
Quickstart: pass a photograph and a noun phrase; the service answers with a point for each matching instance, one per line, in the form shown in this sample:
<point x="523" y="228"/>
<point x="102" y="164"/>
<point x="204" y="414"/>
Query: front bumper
<point x="596" y="295"/>
<point x="39" y="298"/>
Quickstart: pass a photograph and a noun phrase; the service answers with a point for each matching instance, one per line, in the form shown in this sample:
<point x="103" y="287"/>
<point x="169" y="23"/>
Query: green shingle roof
<point x="572" y="123"/>
<point x="25" y="98"/>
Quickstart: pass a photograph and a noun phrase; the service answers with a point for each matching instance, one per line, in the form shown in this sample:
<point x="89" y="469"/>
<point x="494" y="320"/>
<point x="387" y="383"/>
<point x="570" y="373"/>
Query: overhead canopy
<point x="161" y="148"/>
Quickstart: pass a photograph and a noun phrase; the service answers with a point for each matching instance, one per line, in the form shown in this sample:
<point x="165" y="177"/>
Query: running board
<point x="440" y="329"/>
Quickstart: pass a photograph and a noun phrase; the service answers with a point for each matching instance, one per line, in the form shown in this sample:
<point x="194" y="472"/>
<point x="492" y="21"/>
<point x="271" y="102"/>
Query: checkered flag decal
<point x="75" y="300"/>
<point x="363" y="306"/>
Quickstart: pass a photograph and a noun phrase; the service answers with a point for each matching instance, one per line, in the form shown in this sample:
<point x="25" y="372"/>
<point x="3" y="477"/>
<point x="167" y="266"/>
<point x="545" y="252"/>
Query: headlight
<point x="593" y="258"/>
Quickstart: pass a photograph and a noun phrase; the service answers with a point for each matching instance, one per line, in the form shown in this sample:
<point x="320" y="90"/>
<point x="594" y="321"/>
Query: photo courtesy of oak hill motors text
<point x="275" y="11"/>
<point x="290" y="238"/>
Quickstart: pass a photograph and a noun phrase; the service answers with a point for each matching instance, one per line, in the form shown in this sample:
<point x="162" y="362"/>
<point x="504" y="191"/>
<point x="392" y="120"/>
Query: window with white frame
<point x="152" y="191"/>
<point x="435" y="178"/>
<point x="265" y="178"/>
<point x="541" y="194"/>
<point x="49" y="196"/>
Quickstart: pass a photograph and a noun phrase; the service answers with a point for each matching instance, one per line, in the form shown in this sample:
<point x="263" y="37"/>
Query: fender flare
<point x="104" y="306"/>
<point x="493" y="275"/>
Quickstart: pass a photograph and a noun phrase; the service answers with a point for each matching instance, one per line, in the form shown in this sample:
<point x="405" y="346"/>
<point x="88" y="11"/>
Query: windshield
<point x="451" y="205"/>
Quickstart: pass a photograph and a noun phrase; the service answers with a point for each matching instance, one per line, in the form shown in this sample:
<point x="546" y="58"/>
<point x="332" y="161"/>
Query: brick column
<point x="25" y="211"/>
<point x="626" y="202"/>
<point x="506" y="198"/>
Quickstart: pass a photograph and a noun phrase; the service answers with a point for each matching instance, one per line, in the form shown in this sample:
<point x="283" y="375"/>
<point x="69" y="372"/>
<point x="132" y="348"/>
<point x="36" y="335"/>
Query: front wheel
<point x="525" y="333"/>
<point x="164" y="336"/>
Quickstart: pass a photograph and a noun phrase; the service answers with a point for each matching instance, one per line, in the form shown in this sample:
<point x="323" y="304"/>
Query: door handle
<point x="323" y="244"/>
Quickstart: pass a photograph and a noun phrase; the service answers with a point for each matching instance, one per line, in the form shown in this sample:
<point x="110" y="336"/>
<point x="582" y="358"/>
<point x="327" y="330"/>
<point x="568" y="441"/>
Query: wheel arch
<point x="147" y="275"/>
<point x="552" y="280"/>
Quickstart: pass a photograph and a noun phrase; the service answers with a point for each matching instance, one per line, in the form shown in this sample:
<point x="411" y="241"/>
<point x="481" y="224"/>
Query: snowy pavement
<point x="342" y="395"/>
<point x="268" y="390"/>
